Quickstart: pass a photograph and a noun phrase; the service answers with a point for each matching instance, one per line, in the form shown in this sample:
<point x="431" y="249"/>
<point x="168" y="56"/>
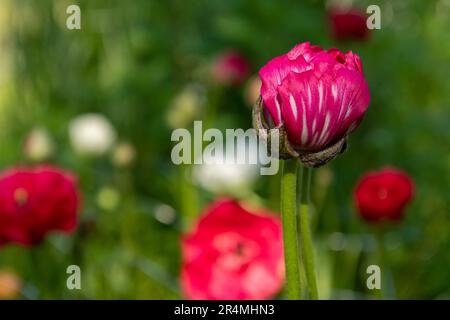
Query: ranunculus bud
<point x="383" y="195"/>
<point x="230" y="68"/>
<point x="39" y="145"/>
<point x="34" y="202"/>
<point x="316" y="98"/>
<point x="233" y="253"/>
<point x="348" y="24"/>
<point x="10" y="284"/>
<point x="91" y="134"/>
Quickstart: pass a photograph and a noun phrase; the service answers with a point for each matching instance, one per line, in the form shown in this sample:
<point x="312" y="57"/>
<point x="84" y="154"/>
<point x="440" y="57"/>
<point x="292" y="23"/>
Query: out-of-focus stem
<point x="379" y="235"/>
<point x="188" y="196"/>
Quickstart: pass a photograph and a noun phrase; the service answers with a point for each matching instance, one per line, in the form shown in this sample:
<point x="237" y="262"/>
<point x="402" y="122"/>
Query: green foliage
<point x="128" y="62"/>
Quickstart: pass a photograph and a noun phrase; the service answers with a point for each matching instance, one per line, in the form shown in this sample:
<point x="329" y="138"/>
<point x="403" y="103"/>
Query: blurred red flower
<point x="230" y="68"/>
<point x="34" y="202"/>
<point x="233" y="254"/>
<point x="383" y="195"/>
<point x="348" y="24"/>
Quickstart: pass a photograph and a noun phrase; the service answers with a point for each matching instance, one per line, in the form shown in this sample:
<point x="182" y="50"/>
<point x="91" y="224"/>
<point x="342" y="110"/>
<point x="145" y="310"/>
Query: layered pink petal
<point x="320" y="96"/>
<point x="36" y="202"/>
<point x="318" y="109"/>
<point x="233" y="254"/>
<point x="274" y="72"/>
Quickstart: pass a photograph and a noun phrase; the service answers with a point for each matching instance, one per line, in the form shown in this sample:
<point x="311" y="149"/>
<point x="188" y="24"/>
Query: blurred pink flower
<point x="348" y="24"/>
<point x="34" y="202"/>
<point x="233" y="254"/>
<point x="230" y="68"/>
<point x="318" y="96"/>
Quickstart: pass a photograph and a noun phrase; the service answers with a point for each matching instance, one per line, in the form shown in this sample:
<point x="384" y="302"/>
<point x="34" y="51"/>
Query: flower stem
<point x="379" y="235"/>
<point x="188" y="196"/>
<point x="288" y="216"/>
<point x="305" y="234"/>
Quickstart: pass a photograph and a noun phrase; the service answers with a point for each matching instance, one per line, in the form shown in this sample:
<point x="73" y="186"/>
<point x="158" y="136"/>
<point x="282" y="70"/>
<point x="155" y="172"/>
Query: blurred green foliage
<point x="128" y="62"/>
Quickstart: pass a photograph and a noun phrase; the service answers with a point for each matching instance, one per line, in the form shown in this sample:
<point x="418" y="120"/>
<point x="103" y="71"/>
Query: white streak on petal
<point x="278" y="108"/>
<point x="293" y="106"/>
<point x="341" y="107"/>
<point x="304" y="128"/>
<point x="309" y="95"/>
<point x="349" y="110"/>
<point x="325" y="128"/>
<point x="314" y="139"/>
<point x="334" y="92"/>
<point x="320" y="87"/>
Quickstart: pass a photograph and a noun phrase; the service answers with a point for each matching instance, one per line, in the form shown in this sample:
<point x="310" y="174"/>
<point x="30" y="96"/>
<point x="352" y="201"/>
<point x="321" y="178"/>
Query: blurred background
<point x="141" y="69"/>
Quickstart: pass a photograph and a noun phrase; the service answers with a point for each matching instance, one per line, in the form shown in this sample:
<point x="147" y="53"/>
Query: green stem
<point x="379" y="234"/>
<point x="188" y="196"/>
<point x="288" y="215"/>
<point x="305" y="234"/>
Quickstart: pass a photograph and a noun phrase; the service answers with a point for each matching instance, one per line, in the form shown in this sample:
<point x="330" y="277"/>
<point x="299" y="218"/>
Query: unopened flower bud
<point x="315" y="98"/>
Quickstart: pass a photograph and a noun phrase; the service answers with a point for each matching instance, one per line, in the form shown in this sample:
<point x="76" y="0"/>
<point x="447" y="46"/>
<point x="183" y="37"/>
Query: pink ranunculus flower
<point x="230" y="68"/>
<point x="316" y="98"/>
<point x="233" y="254"/>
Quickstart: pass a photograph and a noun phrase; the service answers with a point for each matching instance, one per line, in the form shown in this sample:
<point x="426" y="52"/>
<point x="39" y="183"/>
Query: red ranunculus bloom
<point x="348" y="24"/>
<point x="230" y="68"/>
<point x="233" y="254"/>
<point x="34" y="202"/>
<point x="383" y="195"/>
<point x="318" y="96"/>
